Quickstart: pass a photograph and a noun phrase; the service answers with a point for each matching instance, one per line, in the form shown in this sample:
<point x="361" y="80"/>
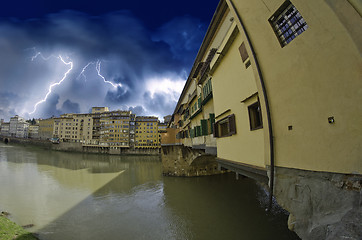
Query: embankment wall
<point x="78" y="147"/>
<point x="182" y="161"/>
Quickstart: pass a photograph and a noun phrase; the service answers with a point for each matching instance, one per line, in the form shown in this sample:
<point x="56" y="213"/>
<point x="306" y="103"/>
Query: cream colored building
<point x="115" y="129"/>
<point x="287" y="92"/>
<point x="46" y="128"/>
<point x="146" y="132"/>
<point x="33" y="131"/>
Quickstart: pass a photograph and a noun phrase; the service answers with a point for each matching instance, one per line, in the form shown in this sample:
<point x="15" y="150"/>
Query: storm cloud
<point x="111" y="60"/>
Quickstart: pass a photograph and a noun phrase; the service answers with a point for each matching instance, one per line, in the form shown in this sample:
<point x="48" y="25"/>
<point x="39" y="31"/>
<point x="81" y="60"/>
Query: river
<point x="89" y="196"/>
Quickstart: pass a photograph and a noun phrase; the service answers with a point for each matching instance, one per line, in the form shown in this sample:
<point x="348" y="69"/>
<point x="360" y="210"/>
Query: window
<point x="225" y="127"/>
<point x="287" y="23"/>
<point x="255" y="118"/>
<point x="204" y="130"/>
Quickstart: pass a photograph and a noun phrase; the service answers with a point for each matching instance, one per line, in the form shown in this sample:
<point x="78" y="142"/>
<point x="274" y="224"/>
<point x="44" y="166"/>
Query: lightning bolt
<point x="70" y="63"/>
<point x="98" y="68"/>
<point x="83" y="69"/>
<point x="54" y="84"/>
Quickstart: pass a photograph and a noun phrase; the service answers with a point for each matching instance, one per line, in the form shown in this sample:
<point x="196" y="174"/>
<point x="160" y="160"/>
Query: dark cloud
<point x="138" y="110"/>
<point x="159" y="104"/>
<point x="115" y="46"/>
<point x="49" y="108"/>
<point x="120" y="96"/>
<point x="70" y="107"/>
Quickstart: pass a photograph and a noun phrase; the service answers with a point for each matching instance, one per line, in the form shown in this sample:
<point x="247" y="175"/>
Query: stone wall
<point x="68" y="147"/>
<point x="321" y="205"/>
<point x="78" y="147"/>
<point x="178" y="160"/>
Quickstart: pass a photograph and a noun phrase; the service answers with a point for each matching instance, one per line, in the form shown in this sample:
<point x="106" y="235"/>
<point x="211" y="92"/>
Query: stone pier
<point x="182" y="161"/>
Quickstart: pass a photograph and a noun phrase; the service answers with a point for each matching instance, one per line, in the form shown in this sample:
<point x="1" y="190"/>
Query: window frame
<point x="286" y="31"/>
<point x="253" y="115"/>
<point x="231" y="124"/>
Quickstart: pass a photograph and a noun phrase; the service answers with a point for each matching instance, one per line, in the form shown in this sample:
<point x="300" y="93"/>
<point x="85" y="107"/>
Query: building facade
<point x="279" y="97"/>
<point x="14" y="122"/>
<point x="115" y="129"/>
<point x="33" y="131"/>
<point x="46" y="128"/>
<point x="146" y="132"/>
<point x="22" y="130"/>
<point x="5" y="129"/>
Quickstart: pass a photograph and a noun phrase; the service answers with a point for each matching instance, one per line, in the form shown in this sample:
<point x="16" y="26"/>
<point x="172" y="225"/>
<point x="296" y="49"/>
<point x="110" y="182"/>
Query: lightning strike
<point x="54" y="84"/>
<point x="98" y="68"/>
<point x="70" y="63"/>
<point x="83" y="69"/>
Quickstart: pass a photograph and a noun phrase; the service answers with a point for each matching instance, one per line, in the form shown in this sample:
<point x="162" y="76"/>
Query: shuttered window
<point x="192" y="133"/>
<point x="198" y="131"/>
<point x="204" y="130"/>
<point x="212" y="122"/>
<point x="255" y="118"/>
<point x="225" y="127"/>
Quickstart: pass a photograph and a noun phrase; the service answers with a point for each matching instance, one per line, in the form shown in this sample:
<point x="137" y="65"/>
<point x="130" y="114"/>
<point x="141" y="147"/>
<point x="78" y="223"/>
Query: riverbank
<point x="10" y="230"/>
<point x="80" y="148"/>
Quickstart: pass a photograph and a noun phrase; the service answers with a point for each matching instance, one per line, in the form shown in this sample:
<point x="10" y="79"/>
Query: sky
<point x="67" y="56"/>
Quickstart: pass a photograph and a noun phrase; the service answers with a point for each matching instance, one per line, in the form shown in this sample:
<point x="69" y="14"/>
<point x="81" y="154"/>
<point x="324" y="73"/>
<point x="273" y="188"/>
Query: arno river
<point x="88" y="196"/>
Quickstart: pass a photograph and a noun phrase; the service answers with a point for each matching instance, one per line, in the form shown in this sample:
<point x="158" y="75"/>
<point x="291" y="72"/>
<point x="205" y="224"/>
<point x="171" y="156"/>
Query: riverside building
<point x="285" y="105"/>
<point x="146" y="132"/>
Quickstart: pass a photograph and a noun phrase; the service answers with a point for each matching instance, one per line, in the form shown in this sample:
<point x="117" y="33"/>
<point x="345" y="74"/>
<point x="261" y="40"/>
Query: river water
<point x="89" y="196"/>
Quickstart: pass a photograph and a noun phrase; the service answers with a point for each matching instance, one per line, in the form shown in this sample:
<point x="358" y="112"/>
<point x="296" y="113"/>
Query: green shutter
<point x="192" y="133"/>
<point x="204" y="127"/>
<point x="198" y="131"/>
<point x="199" y="102"/>
<point x="212" y="121"/>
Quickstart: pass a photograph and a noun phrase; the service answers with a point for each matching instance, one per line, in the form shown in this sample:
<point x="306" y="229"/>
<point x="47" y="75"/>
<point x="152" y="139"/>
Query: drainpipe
<point x="271" y="139"/>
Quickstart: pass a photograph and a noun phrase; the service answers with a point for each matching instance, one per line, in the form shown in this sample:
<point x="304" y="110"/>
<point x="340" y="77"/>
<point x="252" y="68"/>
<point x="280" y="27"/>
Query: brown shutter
<point x="232" y="126"/>
<point x="244" y="54"/>
<point x="215" y="129"/>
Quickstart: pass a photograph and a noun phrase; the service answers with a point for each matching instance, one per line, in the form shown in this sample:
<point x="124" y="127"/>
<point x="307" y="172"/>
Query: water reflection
<point x="88" y="196"/>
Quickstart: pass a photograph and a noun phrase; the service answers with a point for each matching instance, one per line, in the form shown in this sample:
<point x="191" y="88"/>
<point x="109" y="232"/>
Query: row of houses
<point x="101" y="127"/>
<point x="275" y="94"/>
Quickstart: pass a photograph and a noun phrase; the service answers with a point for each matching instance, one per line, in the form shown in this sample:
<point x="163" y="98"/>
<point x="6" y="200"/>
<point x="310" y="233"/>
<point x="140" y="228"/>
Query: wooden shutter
<point x="204" y="127"/>
<point x="215" y="128"/>
<point x="244" y="54"/>
<point x="232" y="125"/>
<point x="212" y="121"/>
<point x="192" y="133"/>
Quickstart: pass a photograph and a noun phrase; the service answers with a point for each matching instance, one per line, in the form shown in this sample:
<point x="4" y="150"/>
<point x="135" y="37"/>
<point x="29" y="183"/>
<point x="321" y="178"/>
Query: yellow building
<point x="45" y="130"/>
<point x="100" y="109"/>
<point x="162" y="128"/>
<point x="115" y="129"/>
<point x="286" y="93"/>
<point x="146" y="132"/>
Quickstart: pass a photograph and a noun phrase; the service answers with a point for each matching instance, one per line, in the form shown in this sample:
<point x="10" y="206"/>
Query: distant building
<point x="22" y="130"/>
<point x="115" y="129"/>
<point x="100" y="109"/>
<point x="167" y="119"/>
<point x="33" y="131"/>
<point x="161" y="129"/>
<point x="5" y="129"/>
<point x="14" y="121"/>
<point x="146" y="135"/>
<point x="45" y="129"/>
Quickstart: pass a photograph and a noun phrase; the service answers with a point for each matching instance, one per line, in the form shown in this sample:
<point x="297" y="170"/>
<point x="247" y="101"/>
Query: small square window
<point x="287" y="23"/>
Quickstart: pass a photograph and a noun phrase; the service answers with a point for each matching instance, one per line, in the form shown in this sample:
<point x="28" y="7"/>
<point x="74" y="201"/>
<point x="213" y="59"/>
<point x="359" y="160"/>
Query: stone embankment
<point x="321" y="205"/>
<point x="178" y="160"/>
<point x="79" y="147"/>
